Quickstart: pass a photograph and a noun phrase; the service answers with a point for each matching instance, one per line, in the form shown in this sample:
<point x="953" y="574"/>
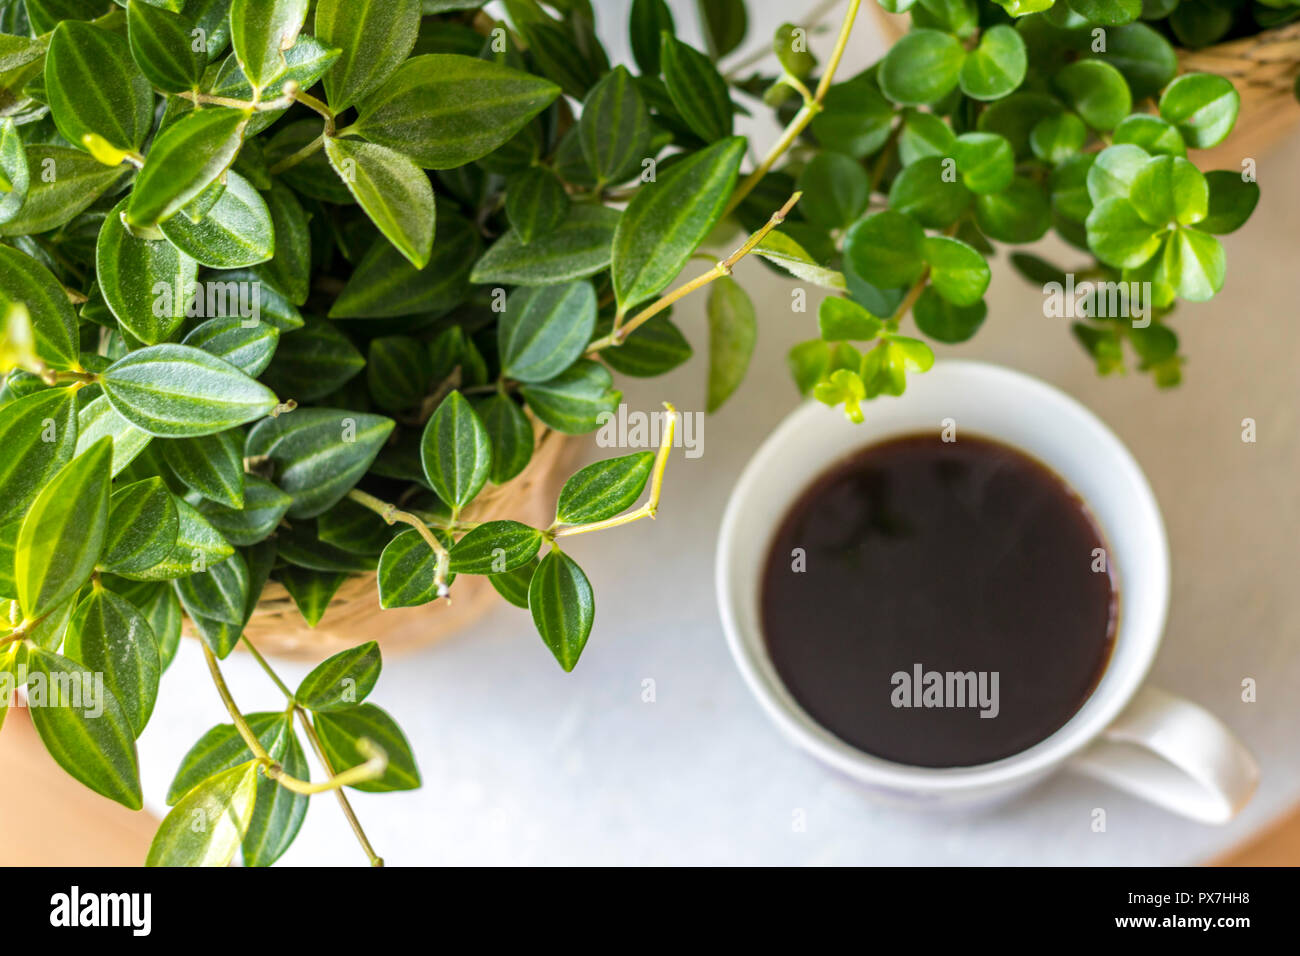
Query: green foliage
<point x="278" y="306"/>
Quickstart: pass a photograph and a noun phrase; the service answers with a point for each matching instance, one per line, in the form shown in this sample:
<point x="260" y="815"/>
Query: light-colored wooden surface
<point x="51" y="820"/>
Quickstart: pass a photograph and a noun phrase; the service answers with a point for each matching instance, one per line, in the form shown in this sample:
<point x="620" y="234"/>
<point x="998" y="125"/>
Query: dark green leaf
<point x="733" y="331"/>
<point x="290" y="268"/>
<point x="222" y="748"/>
<point x="1096" y="91"/>
<point x="537" y="204"/>
<point x="278" y="812"/>
<point x="407" y="570"/>
<point x="264" y="506"/>
<point x="39" y="436"/>
<point x="341" y="681"/>
<point x="921" y="68"/>
<point x="698" y="90"/>
<point x="574" y="401"/>
<point x="399" y="372"/>
<point x="648" y="20"/>
<point x="110" y="636"/>
<point x="339" y="732"/>
<point x="142" y="526"/>
<point x="260" y="30"/>
<point x="615" y="128"/>
<point x="725" y="24"/>
<point x="456" y="452"/>
<point x="375" y="36"/>
<point x="212" y="465"/>
<point x="236" y="232"/>
<point x="1020" y="213"/>
<point x="312" y="591"/>
<point x="198" y="545"/>
<point x="394" y="192"/>
<point x="929" y="192"/>
<point x="163" y="46"/>
<point x="248" y="348"/>
<point x="545" y="329"/>
<point x="578" y="248"/>
<point x="513" y="585"/>
<point x="563" y="607"/>
<point x="1232" y="200"/>
<point x="313" y="362"/>
<point x="95" y="88"/>
<point x="604" y="489"/>
<point x="653" y="349"/>
<point x="510" y="436"/>
<point x="835" y="190"/>
<point x="945" y="322"/>
<point x="496" y="547"/>
<point x="886" y="249"/>
<point x="130" y="270"/>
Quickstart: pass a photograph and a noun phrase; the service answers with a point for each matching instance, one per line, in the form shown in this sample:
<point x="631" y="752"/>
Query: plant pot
<point x="354" y="616"/>
<point x="1263" y="68"/>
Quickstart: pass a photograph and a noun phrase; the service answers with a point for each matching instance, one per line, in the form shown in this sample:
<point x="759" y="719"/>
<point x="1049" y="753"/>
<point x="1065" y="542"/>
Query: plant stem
<point x="295" y="158"/>
<point x="804" y="116"/>
<point x="647" y="510"/>
<point x="391" y="514"/>
<point x="724" y="268"/>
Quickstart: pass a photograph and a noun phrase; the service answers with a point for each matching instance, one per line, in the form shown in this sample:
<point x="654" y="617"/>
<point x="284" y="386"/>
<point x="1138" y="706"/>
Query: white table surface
<point x="525" y="764"/>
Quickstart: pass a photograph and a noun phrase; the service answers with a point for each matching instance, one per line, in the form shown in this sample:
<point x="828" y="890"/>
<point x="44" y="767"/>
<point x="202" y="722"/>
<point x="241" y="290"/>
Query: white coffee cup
<point x="1140" y="739"/>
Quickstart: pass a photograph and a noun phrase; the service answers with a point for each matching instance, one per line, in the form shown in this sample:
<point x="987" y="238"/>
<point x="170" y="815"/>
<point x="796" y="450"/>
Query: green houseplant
<point x="217" y="214"/>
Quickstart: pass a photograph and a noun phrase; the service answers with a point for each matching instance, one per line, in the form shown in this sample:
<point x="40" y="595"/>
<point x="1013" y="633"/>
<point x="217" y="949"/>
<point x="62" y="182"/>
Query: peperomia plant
<point x="284" y="286"/>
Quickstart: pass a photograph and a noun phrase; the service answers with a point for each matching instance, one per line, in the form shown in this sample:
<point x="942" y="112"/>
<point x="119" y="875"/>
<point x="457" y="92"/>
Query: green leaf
<point x="1020" y="213"/>
<point x="537" y="204"/>
<point x="142" y="526"/>
<point x="563" y="606"/>
<point x="264" y="506"/>
<point x="513" y="585"/>
<point x="1194" y="264"/>
<point x="290" y="268"/>
<point x="886" y="249"/>
<point x="922" y="67"/>
<point x="1119" y="236"/>
<point x="647" y="22"/>
<point x="407" y="570"/>
<point x="1109" y="13"/>
<point x="24" y="280"/>
<point x="575" y="400"/>
<point x="339" y="732"/>
<point x="603" y="490"/>
<point x="62" y="182"/>
<point x="1232" y="200"/>
<point x="132" y="272"/>
<point x="1153" y="134"/>
<point x="456" y="452"/>
<point x="842" y="320"/>
<point x="94" y="87"/>
<point x="319" y="454"/>
<point x="212" y="465"/>
<point x="98" y="420"/>
<point x="496" y="547"/>
<point x="177" y="391"/>
<point x="313" y="362"/>
<point x="1112" y="173"/>
<point x="260" y="30"/>
<point x="163" y="611"/>
<point x="928" y="191"/>
<point x="924" y="134"/>
<point x="247" y="348"/>
<point x="186" y="158"/>
<point x="301" y="545"/>
<point x="836" y="190"/>
<point x="445" y="110"/>
<point x="312" y="591"/>
<point x="654" y="349"/>
<point x="944" y="322"/>
<point x="545" y="329"/>
<point x="724" y="23"/>
<point x="1203" y="106"/>
<point x="83" y="727"/>
<point x="39" y="436"/>
<point x="62" y="535"/>
<point x="733" y="331"/>
<point x="385" y="284"/>
<point x="198" y="545"/>
<point x="510" y="436"/>
<point x="341" y="681"/>
<point x="236" y="232"/>
<point x="1145" y="57"/>
<point x="305" y="63"/>
<point x="957" y="271"/>
<point x="110" y="636"/>
<point x="222" y="748"/>
<point x="986" y="161"/>
<point x="580" y="247"/>
<point x="997" y="66"/>
<point x="394" y="192"/>
<point x="781" y="250"/>
<point x="163" y="47"/>
<point x="1055" y="139"/>
<point x="218" y="593"/>
<point x="14" y="175"/>
<point x="398" y="372"/>
<point x="557" y="55"/>
<point x="855" y="119"/>
<point x="668" y="219"/>
<point x="698" y="90"/>
<point x="207" y="826"/>
<point x="375" y="36"/>
<point x="278" y="812"/>
<point x="1096" y="91"/>
<point x="615" y="128"/>
<point x="1169" y="189"/>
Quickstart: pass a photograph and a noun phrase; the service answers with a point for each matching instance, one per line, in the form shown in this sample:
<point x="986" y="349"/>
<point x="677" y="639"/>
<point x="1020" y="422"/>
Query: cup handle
<point x="1175" y="754"/>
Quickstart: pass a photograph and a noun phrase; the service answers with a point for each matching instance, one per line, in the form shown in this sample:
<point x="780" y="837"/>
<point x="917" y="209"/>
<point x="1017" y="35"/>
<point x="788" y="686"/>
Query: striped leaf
<point x="247" y="348"/>
<point x="341" y="681"/>
<point x="536" y="203"/>
<point x="574" y="401"/>
<point x="177" y="391"/>
<point x="398" y="372"/>
<point x="260" y="30"/>
<point x="579" y="248"/>
<point x="98" y="420"/>
<point x="339" y="732"/>
<point x="78" y="180"/>
<point x="184" y="160"/>
<point x="313" y="361"/>
<point x="510" y="436"/>
<point x="39" y="436"/>
<point x="667" y="220"/>
<point x="563" y="606"/>
<point x="455" y="452"/>
<point x="733" y="331"/>
<point x="198" y="545"/>
<point x="319" y="454"/>
<point x="394" y="192"/>
<point x="163" y="47"/>
<point x="129" y="270"/>
<point x="545" y="329"/>
<point x="212" y="465"/>
<point x="513" y="585"/>
<point x="657" y="348"/>
<point x="110" y="636"/>
<point x="222" y="748"/>
<point x="374" y="37"/>
<point x="445" y="110"/>
<point x="264" y="506"/>
<point x="290" y="268"/>
<point x="496" y="547"/>
<point x="54" y="324"/>
<point x="142" y="527"/>
<point x="406" y="572"/>
<point x="225" y="804"/>
<point x="312" y="591"/>
<point x="278" y="812"/>
<point x="219" y="593"/>
<point x="83" y="726"/>
<point x="648" y="20"/>
<point x="14" y="175"/>
<point x="95" y="89"/>
<point x="615" y="128"/>
<point x="604" y="489"/>
<point x="62" y="535"/>
<point x="698" y="90"/>
<point x="235" y="233"/>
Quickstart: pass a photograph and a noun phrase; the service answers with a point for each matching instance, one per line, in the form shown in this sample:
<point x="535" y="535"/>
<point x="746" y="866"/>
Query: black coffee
<point x="940" y="604"/>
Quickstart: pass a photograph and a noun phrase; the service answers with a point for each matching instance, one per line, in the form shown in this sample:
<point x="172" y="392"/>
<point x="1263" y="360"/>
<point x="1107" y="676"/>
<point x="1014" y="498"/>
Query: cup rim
<point x="1093" y="716"/>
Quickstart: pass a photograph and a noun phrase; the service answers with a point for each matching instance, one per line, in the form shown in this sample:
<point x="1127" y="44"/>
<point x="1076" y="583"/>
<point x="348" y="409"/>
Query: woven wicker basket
<point x="1263" y="68"/>
<point x="354" y="616"/>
